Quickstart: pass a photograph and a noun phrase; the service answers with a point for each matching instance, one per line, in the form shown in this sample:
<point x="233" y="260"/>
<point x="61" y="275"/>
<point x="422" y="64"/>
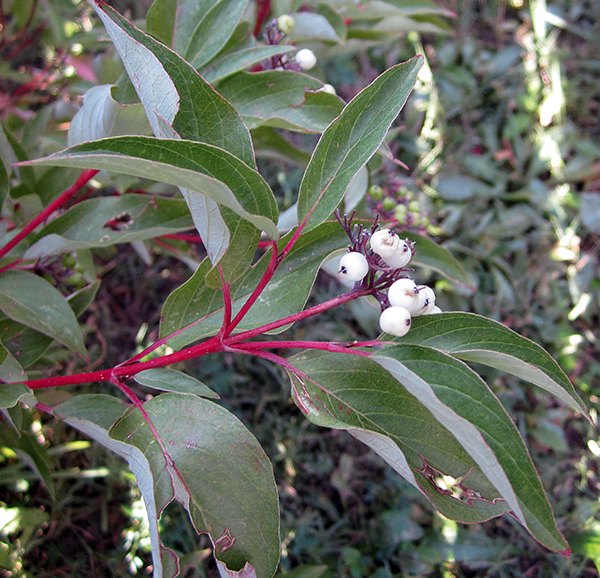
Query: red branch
<point x="262" y="11"/>
<point x="84" y="177"/>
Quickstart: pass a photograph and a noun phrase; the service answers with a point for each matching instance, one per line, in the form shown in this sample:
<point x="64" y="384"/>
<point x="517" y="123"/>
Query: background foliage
<point x="501" y="143"/>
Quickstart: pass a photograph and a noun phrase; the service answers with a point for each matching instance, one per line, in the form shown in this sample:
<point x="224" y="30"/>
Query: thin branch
<point x="267" y="276"/>
<point x="297" y="316"/>
<point x="84" y="177"/>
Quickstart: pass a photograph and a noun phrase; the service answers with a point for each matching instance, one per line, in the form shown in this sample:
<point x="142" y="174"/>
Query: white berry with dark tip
<point x="395" y="321"/>
<point x="403" y="293"/>
<point x="425" y="301"/>
<point x="353" y="266"/>
<point x="401" y="256"/>
<point x="384" y="242"/>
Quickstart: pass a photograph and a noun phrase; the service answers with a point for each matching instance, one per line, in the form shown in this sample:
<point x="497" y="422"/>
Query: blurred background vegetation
<point x="501" y="140"/>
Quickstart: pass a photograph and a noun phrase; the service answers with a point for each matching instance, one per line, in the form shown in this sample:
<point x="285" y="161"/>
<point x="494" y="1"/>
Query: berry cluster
<point x="395" y="201"/>
<point x="376" y="260"/>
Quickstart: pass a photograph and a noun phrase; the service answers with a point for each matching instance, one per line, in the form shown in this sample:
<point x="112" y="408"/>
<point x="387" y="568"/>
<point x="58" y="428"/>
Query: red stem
<point x="321" y="345"/>
<point x="297" y="316"/>
<point x="84" y="177"/>
<point x="227" y="305"/>
<point x="183" y="237"/>
<point x="268" y="274"/>
<point x="262" y="11"/>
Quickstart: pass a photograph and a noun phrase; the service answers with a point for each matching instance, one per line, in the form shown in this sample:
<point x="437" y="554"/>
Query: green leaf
<point x="430" y="254"/>
<point x="206" y="459"/>
<point x="174" y="381"/>
<point x="356" y="394"/>
<point x="102" y="116"/>
<point x="160" y="20"/>
<point x="213" y="31"/>
<point x="26" y="445"/>
<point x="31" y="300"/>
<point x="229" y="64"/>
<point x="105" y="221"/>
<point x="11" y="370"/>
<point x="462" y="402"/>
<point x="165" y="82"/>
<point x="312" y="26"/>
<point x="197" y="166"/>
<point x="13" y="393"/>
<point x="492" y="465"/>
<point x="4" y="182"/>
<point x="94" y="415"/>
<point x="270" y="144"/>
<point x="475" y="338"/>
<point x="281" y="98"/>
<point x="351" y="140"/>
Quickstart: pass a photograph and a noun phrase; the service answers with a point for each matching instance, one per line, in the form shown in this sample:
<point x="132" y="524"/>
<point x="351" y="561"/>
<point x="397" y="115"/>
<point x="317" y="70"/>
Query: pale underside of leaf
<point x="465" y="432"/>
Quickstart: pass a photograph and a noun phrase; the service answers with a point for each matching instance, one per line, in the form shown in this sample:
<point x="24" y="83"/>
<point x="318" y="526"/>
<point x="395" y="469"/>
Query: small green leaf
<point x="281" y="98"/>
<point x="13" y="393"/>
<point x="206" y="459"/>
<point x="160" y="20"/>
<point x="351" y="140"/>
<point x="213" y="31"/>
<point x="31" y="300"/>
<point x="174" y="381"/>
<point x="197" y="166"/>
<point x="229" y="64"/>
<point x="475" y="338"/>
<point x="312" y="26"/>
<point x="196" y="302"/>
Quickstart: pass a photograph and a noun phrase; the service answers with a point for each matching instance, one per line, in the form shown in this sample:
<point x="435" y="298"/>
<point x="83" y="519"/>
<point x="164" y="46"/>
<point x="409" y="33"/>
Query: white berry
<point x="329" y="89"/>
<point x="395" y="321"/>
<point x="306" y="58"/>
<point x="384" y="242"/>
<point x="401" y="257"/>
<point x="353" y="266"/>
<point x="403" y="293"/>
<point x="434" y="311"/>
<point x="425" y="301"/>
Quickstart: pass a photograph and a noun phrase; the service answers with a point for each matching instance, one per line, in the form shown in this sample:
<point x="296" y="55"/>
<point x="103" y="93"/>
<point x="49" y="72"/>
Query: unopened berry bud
<point x="329" y="89"/>
<point x="425" y="301"/>
<point x="414" y="207"/>
<point x="434" y="311"/>
<point x="395" y="321"/>
<point x="306" y="58"/>
<point x="403" y="293"/>
<point x="389" y="204"/>
<point x="376" y="192"/>
<point x="401" y="257"/>
<point x="384" y="242"/>
<point x="286" y="23"/>
<point x="353" y="266"/>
